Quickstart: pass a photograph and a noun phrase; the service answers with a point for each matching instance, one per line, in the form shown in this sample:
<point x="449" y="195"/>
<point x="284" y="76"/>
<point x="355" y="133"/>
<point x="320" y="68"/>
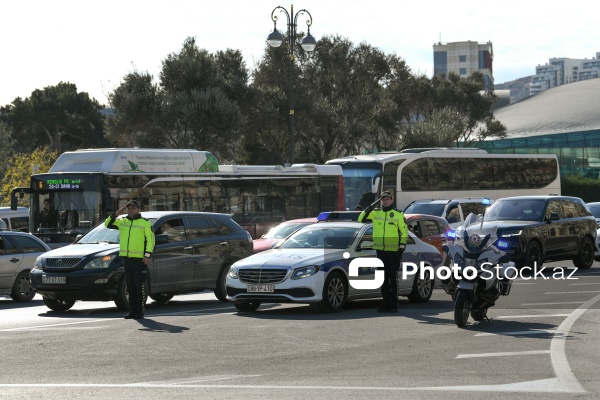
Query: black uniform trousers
<point x="135" y="276"/>
<point x="389" y="289"/>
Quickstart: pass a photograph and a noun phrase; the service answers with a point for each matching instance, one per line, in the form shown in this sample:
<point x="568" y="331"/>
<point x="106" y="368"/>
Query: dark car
<point x="193" y="252"/>
<point x="18" y="252"/>
<point x="454" y="210"/>
<point x="535" y="229"/>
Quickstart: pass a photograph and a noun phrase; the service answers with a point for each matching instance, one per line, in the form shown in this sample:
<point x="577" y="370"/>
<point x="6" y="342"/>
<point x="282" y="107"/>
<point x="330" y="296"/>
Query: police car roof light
<point x="338" y="216"/>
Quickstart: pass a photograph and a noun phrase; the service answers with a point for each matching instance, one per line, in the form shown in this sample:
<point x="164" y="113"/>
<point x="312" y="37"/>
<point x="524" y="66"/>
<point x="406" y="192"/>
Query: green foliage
<point x="588" y="189"/>
<point x="57" y="117"/>
<point x="439" y="130"/>
<point x="21" y="166"/>
<point x="198" y="103"/>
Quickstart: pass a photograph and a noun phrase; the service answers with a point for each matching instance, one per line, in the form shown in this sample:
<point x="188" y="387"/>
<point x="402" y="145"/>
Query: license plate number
<point x="54" y="279"/>
<point x="260" y="288"/>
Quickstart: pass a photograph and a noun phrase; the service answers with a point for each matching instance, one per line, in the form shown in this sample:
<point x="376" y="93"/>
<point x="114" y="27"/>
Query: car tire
<point x="57" y="304"/>
<point x="162" y="298"/>
<point x="121" y="299"/>
<point x="534" y="255"/>
<point x="335" y="292"/>
<point x="422" y="288"/>
<point x="22" y="289"/>
<point x="221" y="290"/>
<point x="246" y="306"/>
<point x="585" y="257"/>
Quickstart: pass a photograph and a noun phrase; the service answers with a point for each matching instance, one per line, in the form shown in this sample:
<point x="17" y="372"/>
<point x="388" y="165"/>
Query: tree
<point x="197" y="103"/>
<point x="340" y="100"/>
<point x="21" y="166"/>
<point x="136" y="103"/>
<point x="58" y="117"/>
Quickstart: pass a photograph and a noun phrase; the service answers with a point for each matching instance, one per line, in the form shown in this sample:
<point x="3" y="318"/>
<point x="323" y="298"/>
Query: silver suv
<point x="18" y="252"/>
<point x="454" y="210"/>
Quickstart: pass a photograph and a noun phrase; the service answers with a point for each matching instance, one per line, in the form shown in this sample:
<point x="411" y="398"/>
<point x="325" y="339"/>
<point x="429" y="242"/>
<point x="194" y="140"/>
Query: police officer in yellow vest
<point x="136" y="243"/>
<point x="390" y="235"/>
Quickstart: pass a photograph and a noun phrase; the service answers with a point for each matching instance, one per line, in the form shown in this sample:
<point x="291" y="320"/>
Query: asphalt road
<point x="542" y="343"/>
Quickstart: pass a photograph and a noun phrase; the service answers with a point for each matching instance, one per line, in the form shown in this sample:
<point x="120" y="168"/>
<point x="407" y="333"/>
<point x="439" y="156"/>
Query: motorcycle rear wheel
<point x="461" y="308"/>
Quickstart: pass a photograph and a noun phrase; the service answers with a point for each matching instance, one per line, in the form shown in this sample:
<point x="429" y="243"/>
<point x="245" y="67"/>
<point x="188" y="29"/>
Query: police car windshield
<point x="321" y="237"/>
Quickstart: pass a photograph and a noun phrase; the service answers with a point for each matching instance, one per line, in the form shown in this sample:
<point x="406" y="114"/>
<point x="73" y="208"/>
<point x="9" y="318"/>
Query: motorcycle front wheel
<point x="461" y="308"/>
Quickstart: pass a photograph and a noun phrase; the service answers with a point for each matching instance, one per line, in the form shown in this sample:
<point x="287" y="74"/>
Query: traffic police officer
<point x="390" y="235"/>
<point x="136" y="243"/>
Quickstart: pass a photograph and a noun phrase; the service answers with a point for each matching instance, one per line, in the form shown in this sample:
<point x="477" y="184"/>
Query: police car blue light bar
<point x="338" y="216"/>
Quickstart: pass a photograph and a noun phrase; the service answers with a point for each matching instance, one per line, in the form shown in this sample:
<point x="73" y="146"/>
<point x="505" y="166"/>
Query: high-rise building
<point x="464" y="58"/>
<point x="560" y="71"/>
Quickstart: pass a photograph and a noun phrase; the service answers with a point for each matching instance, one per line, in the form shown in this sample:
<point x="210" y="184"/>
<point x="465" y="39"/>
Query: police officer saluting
<point x="136" y="245"/>
<point x="390" y="235"/>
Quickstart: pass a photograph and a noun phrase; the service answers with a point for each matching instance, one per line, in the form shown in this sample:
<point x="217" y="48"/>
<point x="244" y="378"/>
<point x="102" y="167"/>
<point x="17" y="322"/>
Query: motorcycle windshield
<point x="474" y="236"/>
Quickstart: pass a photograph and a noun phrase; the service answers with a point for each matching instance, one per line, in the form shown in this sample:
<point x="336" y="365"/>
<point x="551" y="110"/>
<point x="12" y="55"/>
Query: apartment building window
<point x="462" y="58"/>
<point x="462" y="71"/>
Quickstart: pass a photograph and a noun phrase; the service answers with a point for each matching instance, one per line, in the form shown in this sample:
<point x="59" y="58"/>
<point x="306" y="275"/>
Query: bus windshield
<point x="358" y="182"/>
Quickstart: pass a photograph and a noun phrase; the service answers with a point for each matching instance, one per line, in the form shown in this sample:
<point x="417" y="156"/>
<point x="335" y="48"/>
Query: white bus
<point x="85" y="186"/>
<point x="437" y="174"/>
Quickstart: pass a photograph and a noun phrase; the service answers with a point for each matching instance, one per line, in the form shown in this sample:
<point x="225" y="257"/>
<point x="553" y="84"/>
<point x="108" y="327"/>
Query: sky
<point x="94" y="44"/>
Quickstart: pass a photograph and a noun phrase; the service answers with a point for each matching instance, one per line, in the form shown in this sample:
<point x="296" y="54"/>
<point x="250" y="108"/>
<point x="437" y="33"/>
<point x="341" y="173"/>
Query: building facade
<point x="464" y="58"/>
<point x="560" y="71"/>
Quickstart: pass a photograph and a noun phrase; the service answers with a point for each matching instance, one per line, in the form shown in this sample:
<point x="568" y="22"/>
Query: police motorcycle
<point x="481" y="273"/>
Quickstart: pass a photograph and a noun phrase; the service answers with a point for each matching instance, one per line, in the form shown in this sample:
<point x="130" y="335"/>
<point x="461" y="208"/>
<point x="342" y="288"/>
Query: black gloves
<point x="400" y="252"/>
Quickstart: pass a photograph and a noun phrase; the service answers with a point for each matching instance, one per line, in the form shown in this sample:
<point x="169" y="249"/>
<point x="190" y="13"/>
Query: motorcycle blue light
<point x="451" y="234"/>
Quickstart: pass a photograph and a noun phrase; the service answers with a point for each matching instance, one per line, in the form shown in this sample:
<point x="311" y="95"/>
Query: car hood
<point x="82" y="250"/>
<point x="290" y="258"/>
<point x="509" y="224"/>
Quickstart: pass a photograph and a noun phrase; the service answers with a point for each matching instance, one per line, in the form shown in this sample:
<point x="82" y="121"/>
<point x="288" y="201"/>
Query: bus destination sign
<point x="61" y="184"/>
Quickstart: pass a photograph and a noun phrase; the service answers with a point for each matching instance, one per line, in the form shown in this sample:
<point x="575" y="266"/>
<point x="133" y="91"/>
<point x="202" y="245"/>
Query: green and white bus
<point x="85" y="186"/>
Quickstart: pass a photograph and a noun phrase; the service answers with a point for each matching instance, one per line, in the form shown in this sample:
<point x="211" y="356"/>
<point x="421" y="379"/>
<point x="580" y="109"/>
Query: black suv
<point x="193" y="252"/>
<point x="534" y="229"/>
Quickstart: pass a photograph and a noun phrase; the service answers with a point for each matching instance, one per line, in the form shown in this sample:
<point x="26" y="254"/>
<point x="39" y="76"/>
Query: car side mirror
<point x="366" y="245"/>
<point x="553" y="217"/>
<point x="162" y="238"/>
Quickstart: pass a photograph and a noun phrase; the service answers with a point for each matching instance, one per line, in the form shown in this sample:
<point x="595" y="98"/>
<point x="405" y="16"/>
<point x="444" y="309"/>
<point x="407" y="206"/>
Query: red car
<point x="430" y="229"/>
<point x="279" y="232"/>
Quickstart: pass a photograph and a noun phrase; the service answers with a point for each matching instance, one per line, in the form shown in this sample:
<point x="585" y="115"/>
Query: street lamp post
<point x="275" y="39"/>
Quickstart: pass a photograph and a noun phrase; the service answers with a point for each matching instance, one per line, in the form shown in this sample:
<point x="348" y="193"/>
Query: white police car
<point x="312" y="266"/>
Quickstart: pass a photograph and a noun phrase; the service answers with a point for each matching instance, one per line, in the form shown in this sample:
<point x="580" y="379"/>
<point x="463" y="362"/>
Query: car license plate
<point x="54" y="279"/>
<point x="260" y="288"/>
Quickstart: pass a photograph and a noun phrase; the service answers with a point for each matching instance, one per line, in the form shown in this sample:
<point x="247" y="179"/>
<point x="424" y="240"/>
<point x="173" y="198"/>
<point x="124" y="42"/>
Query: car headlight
<point x="100" y="262"/>
<point x="515" y="232"/>
<point x="234" y="272"/>
<point x="39" y="263"/>
<point x="305" y="272"/>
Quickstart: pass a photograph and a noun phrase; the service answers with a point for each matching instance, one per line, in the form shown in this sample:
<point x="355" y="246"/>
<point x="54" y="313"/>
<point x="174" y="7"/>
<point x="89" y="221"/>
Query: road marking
<point x="185" y="381"/>
<point x="552" y="304"/>
<point x="589" y="283"/>
<point x="552" y="385"/>
<point x="514" y="333"/>
<point x="531" y="316"/>
<point x="24" y="328"/>
<point x="93" y="321"/>
<point x="582" y="291"/>
<point x="558" y="351"/>
<point x="507" y="353"/>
